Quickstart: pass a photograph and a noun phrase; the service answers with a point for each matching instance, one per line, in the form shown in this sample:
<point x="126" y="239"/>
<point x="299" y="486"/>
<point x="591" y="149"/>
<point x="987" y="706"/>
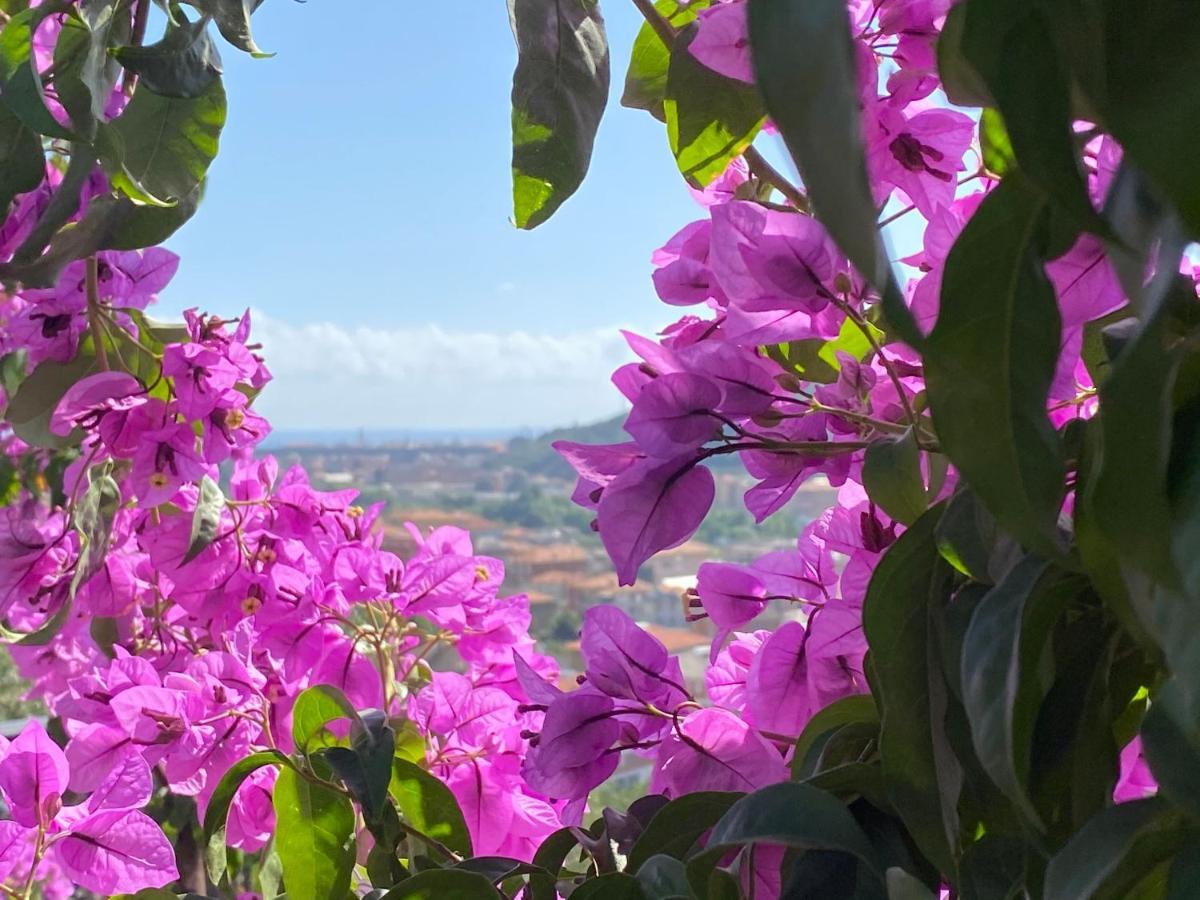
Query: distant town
<point x="513" y="496"/>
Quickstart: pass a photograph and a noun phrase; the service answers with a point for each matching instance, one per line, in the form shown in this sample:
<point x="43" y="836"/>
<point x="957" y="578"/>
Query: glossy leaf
<point x="613" y="886"/>
<point x="314" y="709"/>
<point x="662" y="877"/>
<point x="991" y="358"/>
<point x="1002" y="682"/>
<point x="804" y="62"/>
<point x="893" y="479"/>
<point x="426" y="804"/>
<point x="184" y="64"/>
<point x="30" y="410"/>
<point x="22" y="165"/>
<point x="1113" y="851"/>
<point x="678" y="825"/>
<point x="796" y="816"/>
<point x="853" y="709"/>
<point x="314" y="837"/>
<point x="711" y="119"/>
<point x="233" y="21"/>
<point x="164" y="145"/>
<point x="923" y="779"/>
<point x="559" y="91"/>
<point x="217" y="812"/>
<point x="646" y="78"/>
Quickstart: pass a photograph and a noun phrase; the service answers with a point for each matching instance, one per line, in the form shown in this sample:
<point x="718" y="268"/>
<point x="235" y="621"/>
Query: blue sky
<point x="360" y="204"/>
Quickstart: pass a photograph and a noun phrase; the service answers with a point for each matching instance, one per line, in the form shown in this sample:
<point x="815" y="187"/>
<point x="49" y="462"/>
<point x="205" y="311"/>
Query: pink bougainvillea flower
<point x="715" y="748"/>
<point x="722" y="41"/>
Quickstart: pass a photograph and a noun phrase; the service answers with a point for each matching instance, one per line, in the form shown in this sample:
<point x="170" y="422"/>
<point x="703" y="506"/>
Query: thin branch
<point x="93" y="310"/>
<point x="664" y="29"/>
<point x="768" y="173"/>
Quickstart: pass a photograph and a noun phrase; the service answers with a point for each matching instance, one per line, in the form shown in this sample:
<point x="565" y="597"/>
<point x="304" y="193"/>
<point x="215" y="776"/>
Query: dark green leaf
<point x="662" y="877"/>
<point x="206" y="518"/>
<point x="30" y="410"/>
<point x="64" y="203"/>
<point x="1113" y="851"/>
<point x="23" y="92"/>
<point x="646" y="78"/>
<point x="183" y="64"/>
<point x="22" y="165"/>
<point x="550" y="856"/>
<point x="893" y="479"/>
<point x="855" y="708"/>
<point x="146" y="226"/>
<point x="1171" y="743"/>
<point x="903" y="886"/>
<point x="1016" y="56"/>
<point x="314" y="836"/>
<point x="233" y="21"/>
<point x="793" y="815"/>
<point x="442" y="884"/>
<point x="165" y="144"/>
<point x="903" y="600"/>
<point x="805" y="66"/>
<point x="679" y="824"/>
<point x="427" y="805"/>
<point x="963" y="85"/>
<point x="966" y="536"/>
<point x="992" y="868"/>
<point x="560" y="87"/>
<point x="711" y="119"/>
<point x="84" y="72"/>
<point x="1001" y="679"/>
<point x="991" y="358"/>
<point x="613" y="886"/>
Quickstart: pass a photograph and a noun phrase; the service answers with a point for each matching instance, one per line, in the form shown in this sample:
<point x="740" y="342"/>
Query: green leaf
<point x="646" y="78"/>
<point x="904" y="598"/>
<point x="442" y="884"/>
<point x="314" y="709"/>
<point x="1016" y="55"/>
<point x="662" y="877"/>
<point x="64" y="204"/>
<point x="962" y="84"/>
<point x="233" y="21"/>
<point x="23" y="92"/>
<point x="994" y="142"/>
<point x="613" y="886"/>
<point x="559" y="90"/>
<point x="1171" y="743"/>
<point x="147" y="226"/>
<point x="805" y="66"/>
<point x="93" y="520"/>
<point x="992" y="868"/>
<point x="991" y="358"/>
<point x="217" y="812"/>
<point x="903" y="886"/>
<point x="206" y="518"/>
<point x="1127" y="496"/>
<point x="550" y="856"/>
<point x="711" y="119"/>
<point x="22" y="165"/>
<point x="314" y="836"/>
<point x="1145" y="85"/>
<point x="165" y="144"/>
<point x="30" y="410"/>
<point x="848" y="710"/>
<point x="1113" y="851"/>
<point x="1001" y="678"/>
<point x="427" y="805"/>
<point x="796" y="816"/>
<point x="184" y="64"/>
<point x="677" y="826"/>
<point x="893" y="479"/>
<point x="84" y="72"/>
<point x="366" y="767"/>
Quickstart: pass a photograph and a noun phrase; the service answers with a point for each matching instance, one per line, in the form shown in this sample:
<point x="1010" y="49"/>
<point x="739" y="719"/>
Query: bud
<point x="841" y="283"/>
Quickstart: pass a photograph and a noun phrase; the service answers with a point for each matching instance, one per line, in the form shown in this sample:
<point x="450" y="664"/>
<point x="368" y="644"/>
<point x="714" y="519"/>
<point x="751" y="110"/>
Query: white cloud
<point x="331" y="376"/>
